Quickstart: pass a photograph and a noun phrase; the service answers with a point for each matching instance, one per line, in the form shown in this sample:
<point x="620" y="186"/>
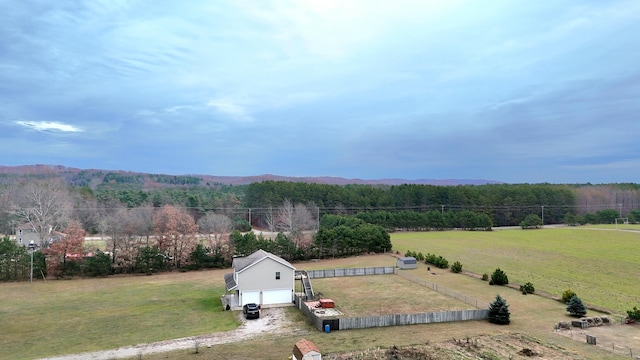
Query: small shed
<point x="306" y="350"/>
<point x="407" y="262"/>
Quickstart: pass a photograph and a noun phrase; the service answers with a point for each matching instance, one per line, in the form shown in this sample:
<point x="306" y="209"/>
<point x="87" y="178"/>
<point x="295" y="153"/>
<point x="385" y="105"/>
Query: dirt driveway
<point x="271" y="320"/>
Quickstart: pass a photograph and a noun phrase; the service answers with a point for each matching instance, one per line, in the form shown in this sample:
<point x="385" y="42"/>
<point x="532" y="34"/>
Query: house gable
<point x="265" y="274"/>
<point x="263" y="278"/>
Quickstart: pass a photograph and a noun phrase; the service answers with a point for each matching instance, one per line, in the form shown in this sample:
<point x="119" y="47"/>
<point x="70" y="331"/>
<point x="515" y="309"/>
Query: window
<point x="277" y="275"/>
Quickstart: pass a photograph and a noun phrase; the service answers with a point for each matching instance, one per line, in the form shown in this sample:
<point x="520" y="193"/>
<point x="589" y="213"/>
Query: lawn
<point x="383" y="295"/>
<point x="73" y="316"/>
<point x="600" y="265"/>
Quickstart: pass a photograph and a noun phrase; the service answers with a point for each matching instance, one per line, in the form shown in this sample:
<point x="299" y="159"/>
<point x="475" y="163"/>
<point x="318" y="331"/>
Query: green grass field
<point x="600" y="264"/>
<point x="73" y="316"/>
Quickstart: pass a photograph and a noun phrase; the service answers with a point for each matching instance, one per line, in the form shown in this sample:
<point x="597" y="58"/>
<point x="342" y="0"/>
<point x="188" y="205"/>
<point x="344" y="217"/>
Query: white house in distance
<point x="262" y="278"/>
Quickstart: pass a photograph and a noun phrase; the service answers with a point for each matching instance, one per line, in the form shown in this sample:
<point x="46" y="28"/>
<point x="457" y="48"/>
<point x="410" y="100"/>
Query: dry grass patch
<point x="383" y="295"/>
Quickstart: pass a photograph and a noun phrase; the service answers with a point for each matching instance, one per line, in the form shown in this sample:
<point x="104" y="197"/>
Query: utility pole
<point x="442" y="210"/>
<point x="32" y="248"/>
<point x="542" y="215"/>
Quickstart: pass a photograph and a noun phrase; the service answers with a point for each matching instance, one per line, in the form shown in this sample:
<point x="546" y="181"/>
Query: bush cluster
<point x="634" y="314"/>
<point x="527" y="288"/>
<point x="499" y="277"/>
<point x="567" y="295"/>
<point x="437" y="260"/>
<point x="456" y="267"/>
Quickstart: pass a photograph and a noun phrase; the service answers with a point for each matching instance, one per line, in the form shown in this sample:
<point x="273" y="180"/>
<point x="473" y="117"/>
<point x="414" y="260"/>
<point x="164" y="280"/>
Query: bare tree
<point x="296" y="219"/>
<point x="44" y="204"/>
<point x="216" y="224"/>
<point x="285" y="217"/>
<point x="270" y="219"/>
<point x="112" y="225"/>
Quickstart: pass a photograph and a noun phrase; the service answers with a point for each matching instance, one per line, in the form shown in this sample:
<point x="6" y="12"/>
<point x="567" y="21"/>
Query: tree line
<point x="186" y="228"/>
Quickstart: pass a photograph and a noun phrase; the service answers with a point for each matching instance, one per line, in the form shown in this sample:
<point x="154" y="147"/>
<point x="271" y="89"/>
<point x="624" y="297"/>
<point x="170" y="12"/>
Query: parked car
<point x="251" y="311"/>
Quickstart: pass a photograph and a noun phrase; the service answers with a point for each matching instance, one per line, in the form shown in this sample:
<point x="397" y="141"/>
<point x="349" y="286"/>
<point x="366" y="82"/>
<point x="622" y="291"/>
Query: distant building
<point x="26" y="233"/>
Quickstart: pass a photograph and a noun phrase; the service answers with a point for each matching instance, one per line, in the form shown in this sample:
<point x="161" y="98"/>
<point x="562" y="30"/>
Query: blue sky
<point x="514" y="91"/>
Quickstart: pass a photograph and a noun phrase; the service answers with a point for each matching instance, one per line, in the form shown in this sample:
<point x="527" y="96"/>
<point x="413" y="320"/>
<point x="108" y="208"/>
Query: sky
<point x="511" y="91"/>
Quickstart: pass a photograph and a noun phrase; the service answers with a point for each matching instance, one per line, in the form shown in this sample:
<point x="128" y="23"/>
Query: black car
<point x="251" y="311"/>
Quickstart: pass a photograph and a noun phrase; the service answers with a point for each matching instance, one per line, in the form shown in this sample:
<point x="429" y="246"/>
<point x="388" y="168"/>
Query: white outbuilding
<point x="407" y="262"/>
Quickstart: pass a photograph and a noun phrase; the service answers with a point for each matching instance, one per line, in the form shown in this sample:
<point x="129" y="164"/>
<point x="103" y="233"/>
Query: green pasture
<point x="601" y="264"/>
<point x="75" y="316"/>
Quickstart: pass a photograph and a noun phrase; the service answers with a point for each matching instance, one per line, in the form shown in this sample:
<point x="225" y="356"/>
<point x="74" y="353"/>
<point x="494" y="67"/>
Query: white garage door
<point x="250" y="297"/>
<point x="276" y="296"/>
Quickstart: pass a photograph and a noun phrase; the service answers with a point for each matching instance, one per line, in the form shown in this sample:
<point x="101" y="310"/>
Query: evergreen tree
<point x="575" y="307"/>
<point x="499" y="311"/>
<point x="499" y="277"/>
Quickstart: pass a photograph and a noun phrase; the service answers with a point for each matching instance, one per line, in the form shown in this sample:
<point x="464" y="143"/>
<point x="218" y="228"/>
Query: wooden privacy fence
<point x="315" y="320"/>
<point x="363" y="322"/>
<point x="441" y="289"/>
<point x="327" y="273"/>
<point x="411" y="319"/>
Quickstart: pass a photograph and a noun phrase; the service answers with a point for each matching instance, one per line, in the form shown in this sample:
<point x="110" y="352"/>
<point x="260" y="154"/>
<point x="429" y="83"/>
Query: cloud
<point x="230" y="108"/>
<point x="49" y="126"/>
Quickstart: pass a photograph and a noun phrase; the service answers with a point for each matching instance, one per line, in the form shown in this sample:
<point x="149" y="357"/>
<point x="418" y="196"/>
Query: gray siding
<point x="262" y="276"/>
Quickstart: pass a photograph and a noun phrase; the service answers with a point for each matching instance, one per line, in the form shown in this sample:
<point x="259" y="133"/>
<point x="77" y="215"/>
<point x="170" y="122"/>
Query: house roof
<point x="242" y="263"/>
<point x="304" y="347"/>
<point x="408" y="260"/>
<point x="229" y="281"/>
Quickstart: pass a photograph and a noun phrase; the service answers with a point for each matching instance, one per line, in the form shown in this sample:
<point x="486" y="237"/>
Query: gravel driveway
<point x="270" y="321"/>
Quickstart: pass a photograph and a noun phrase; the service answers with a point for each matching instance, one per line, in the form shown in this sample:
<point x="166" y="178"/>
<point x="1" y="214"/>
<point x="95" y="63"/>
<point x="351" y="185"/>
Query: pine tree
<point x="499" y="277"/>
<point x="575" y="307"/>
<point x="499" y="311"/>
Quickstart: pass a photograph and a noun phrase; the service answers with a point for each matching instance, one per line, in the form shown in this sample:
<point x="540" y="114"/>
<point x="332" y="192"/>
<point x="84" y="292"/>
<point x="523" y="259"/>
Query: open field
<point x="533" y="318"/>
<point x="71" y="316"/>
<point x="383" y="295"/>
<point x="61" y="317"/>
<point x="601" y="266"/>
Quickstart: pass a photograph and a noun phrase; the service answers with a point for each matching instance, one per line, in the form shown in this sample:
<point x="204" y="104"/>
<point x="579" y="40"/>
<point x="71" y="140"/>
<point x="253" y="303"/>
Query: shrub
<point x="499" y="311"/>
<point x="485" y="277"/>
<point x="527" y="288"/>
<point x="575" y="307"/>
<point x="419" y="256"/>
<point x="436" y="260"/>
<point x="499" y="277"/>
<point x="456" y="267"/>
<point x="409" y="253"/>
<point x="634" y="314"/>
<point x="567" y="295"/>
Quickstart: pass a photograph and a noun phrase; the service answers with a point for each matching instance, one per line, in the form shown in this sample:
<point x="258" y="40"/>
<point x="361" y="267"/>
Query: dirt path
<point x="270" y="321"/>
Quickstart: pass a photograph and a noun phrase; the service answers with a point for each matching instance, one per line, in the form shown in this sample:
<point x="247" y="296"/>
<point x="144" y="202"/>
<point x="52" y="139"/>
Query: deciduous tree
<point x="175" y="232"/>
<point x="45" y="205"/>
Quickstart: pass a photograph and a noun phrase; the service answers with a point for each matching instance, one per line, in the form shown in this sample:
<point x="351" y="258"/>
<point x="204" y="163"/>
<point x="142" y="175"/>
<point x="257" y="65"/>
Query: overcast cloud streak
<point x="510" y="91"/>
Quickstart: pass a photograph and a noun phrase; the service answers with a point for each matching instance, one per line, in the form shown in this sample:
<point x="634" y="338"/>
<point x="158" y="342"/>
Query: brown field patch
<point x="383" y="295"/>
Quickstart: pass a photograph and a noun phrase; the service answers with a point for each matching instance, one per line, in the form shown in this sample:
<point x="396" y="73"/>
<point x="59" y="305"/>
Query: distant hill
<point x="96" y="177"/>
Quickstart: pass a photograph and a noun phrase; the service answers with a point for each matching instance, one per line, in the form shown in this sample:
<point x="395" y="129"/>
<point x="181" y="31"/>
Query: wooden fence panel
<point x="364" y="322"/>
<point x="327" y="273"/>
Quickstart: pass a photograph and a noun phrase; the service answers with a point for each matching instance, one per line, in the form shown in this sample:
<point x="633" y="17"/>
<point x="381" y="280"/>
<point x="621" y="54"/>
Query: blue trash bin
<point x="327" y="328"/>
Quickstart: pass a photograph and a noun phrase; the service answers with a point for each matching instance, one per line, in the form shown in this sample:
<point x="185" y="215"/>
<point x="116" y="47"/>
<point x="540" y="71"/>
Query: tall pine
<point x="499" y="311"/>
